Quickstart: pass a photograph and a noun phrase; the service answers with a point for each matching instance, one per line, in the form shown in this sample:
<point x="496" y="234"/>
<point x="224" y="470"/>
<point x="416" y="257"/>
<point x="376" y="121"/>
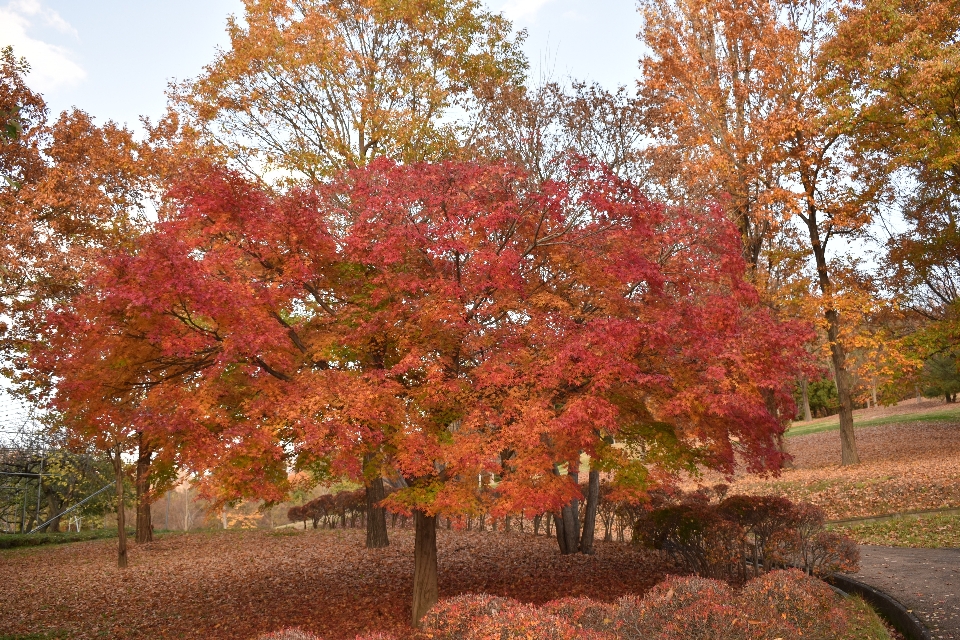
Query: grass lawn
<point x="928" y="531"/>
<point x="833" y="423"/>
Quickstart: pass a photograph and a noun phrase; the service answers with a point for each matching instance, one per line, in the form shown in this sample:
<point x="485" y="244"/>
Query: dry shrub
<point x="584" y="613"/>
<point x="741" y="535"/>
<point x="299" y="634"/>
<point x="791" y="604"/>
<point x="687" y="608"/>
<point x="452" y="618"/>
<point x="522" y="622"/>
<point x="778" y="604"/>
<point x="289" y="634"/>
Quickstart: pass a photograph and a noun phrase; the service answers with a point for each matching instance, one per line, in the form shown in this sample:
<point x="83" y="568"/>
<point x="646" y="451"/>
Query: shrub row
<point x="737" y="536"/>
<point x="779" y="604"/>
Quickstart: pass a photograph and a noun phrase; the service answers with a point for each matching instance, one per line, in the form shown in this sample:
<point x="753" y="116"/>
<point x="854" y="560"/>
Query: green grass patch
<point x="929" y="532"/>
<point x="867" y="625"/>
<point x="15" y="540"/>
<point x="945" y="414"/>
<point x="48" y="635"/>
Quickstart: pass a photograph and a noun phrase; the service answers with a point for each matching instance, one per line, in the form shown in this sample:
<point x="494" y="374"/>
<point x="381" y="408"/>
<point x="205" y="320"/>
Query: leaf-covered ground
<point x="905" y="466"/>
<point x="238" y="584"/>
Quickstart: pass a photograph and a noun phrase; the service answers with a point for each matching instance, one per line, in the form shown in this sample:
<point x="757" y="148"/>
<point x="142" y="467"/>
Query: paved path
<point x="924" y="580"/>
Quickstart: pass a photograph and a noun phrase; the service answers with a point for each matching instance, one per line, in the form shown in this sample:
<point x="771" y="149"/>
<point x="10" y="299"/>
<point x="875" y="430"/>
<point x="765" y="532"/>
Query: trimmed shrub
<point x="795" y="605"/>
<point x="743" y="535"/>
<point x="681" y="608"/>
<point x="452" y="618"/>
<point x="584" y="613"/>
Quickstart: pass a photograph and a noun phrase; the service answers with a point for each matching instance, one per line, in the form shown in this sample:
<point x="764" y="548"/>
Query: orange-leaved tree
<point x="743" y="94"/>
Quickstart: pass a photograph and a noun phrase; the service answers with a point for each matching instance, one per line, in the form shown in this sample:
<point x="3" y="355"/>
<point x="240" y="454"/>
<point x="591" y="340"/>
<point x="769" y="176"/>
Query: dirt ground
<point x="235" y="584"/>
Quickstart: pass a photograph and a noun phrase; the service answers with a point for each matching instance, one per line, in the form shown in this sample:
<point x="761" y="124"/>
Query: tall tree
<point x="744" y="97"/>
<point x="72" y="191"/>
<point x="899" y="63"/>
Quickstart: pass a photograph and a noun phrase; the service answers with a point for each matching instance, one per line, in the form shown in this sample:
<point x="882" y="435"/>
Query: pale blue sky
<point x="114" y="58"/>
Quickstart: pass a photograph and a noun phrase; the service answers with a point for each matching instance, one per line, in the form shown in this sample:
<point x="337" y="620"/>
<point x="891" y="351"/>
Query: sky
<point x="115" y="58"/>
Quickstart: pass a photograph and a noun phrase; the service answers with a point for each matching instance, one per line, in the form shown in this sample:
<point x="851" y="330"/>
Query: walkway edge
<point x="898" y="615"/>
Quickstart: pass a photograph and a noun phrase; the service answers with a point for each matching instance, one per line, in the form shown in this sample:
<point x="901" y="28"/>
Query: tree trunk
<point x="54" y="506"/>
<point x="848" y="439"/>
<point x="590" y="515"/>
<point x="806" y="400"/>
<point x="425" y="593"/>
<point x="571" y="518"/>
<point x="559" y="529"/>
<point x="144" y="522"/>
<point x="376" y="516"/>
<point x="121" y="516"/>
<point x="838" y="355"/>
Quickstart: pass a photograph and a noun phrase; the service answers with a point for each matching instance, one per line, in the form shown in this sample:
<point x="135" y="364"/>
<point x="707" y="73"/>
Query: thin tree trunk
<point x="838" y="355"/>
<point x="590" y="515"/>
<point x="121" y="516"/>
<point x="144" y="521"/>
<point x="848" y="439"/>
<point x="804" y="387"/>
<point x="376" y="515"/>
<point x="425" y="593"/>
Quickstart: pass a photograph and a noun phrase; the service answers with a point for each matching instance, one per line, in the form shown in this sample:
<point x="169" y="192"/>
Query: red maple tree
<point x="453" y="325"/>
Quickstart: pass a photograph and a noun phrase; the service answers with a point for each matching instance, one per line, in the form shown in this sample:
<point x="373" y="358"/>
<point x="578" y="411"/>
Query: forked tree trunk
<point x="144" y="522"/>
<point x="376" y="516"/>
<point x="425" y="592"/>
<point x="590" y="514"/>
<point x="121" y="516"/>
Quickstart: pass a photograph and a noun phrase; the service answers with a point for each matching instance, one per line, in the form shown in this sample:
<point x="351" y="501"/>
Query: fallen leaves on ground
<point x="904" y="466"/>
<point x="239" y="584"/>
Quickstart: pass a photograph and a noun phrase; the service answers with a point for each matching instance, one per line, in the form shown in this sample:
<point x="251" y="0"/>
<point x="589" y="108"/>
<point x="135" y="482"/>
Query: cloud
<point x="51" y="65"/>
<point x="520" y="9"/>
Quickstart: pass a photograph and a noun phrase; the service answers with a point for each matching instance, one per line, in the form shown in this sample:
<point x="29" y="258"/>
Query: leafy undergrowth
<point x="781" y="604"/>
<point x="934" y="532"/>
<point x="239" y="584"/>
<point x="14" y="540"/>
<point x="905" y="466"/>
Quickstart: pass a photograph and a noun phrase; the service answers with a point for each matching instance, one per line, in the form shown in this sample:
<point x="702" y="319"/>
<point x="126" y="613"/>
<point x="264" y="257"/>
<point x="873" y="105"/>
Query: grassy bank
<point x="14" y="540"/>
<point x="833" y="424"/>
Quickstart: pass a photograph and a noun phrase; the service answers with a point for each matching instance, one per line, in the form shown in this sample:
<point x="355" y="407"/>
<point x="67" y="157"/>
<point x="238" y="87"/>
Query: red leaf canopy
<point x="447" y="323"/>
